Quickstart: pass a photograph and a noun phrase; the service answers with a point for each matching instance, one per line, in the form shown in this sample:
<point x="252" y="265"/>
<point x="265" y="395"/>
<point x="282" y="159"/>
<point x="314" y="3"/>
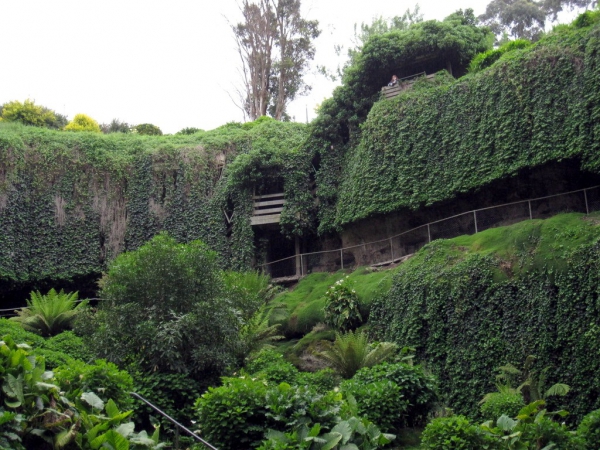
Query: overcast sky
<point x="170" y="63"/>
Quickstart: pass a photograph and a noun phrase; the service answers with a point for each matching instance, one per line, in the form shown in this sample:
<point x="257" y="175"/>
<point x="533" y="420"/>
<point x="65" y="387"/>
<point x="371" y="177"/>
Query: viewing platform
<point x="404" y="84"/>
<point x="267" y="208"/>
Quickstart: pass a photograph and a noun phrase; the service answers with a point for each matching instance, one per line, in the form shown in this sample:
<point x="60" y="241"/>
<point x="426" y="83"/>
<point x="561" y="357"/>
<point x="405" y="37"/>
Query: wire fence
<point x="12" y="312"/>
<point x="394" y="248"/>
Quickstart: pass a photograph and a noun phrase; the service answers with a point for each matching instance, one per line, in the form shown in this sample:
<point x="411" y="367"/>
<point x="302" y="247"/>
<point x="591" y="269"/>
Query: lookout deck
<point x="404" y="84"/>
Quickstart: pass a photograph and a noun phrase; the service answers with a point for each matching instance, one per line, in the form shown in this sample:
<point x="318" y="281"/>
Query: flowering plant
<point x="341" y="307"/>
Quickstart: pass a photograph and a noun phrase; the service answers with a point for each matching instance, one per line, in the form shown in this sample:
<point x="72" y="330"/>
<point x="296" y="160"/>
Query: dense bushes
<point x="499" y="403"/>
<point x="36" y="414"/>
<point x="103" y="377"/>
<point x="416" y="387"/>
<point x="164" y="309"/>
<point x="238" y="414"/>
<point x="589" y="431"/>
<point x="456" y="432"/>
<point x="382" y="402"/>
<point x="486" y="59"/>
<point x="247" y="411"/>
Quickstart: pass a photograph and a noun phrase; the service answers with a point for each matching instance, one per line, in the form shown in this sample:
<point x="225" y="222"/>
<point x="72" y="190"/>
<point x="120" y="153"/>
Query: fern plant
<point x="352" y="351"/>
<point x="49" y="314"/>
<point x="256" y="333"/>
<point x="533" y="383"/>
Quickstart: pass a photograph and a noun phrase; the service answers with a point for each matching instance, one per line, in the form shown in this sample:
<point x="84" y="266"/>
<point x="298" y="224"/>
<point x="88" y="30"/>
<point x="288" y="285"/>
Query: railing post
<point x="301" y="265"/>
<point x="475" y="219"/>
<point x="429" y="232"/>
<point x="392" y="249"/>
<point x="298" y="259"/>
<point x="530" y="214"/>
<point x="587" y="209"/>
<point x="342" y="258"/>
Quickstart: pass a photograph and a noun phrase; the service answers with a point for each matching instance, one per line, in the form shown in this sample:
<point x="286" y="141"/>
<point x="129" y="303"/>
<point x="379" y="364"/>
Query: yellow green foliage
<point x="27" y="113"/>
<point x="81" y="122"/>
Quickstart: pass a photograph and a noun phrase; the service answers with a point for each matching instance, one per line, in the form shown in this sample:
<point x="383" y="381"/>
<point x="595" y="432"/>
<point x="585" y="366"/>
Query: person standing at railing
<point x="394" y="81"/>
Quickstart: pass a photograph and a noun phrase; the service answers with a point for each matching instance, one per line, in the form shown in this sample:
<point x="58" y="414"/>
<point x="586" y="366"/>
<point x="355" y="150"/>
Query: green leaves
<point x="341" y="309"/>
<point x="351" y="351"/>
<point x="49" y="314"/>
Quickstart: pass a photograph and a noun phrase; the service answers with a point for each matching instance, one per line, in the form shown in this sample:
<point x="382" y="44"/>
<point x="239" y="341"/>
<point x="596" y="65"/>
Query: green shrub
<point x="81" y="122"/>
<point x="232" y="416"/>
<point x="456" y="432"/>
<point x="171" y="294"/>
<point x="147" y="129"/>
<point x="238" y="414"/>
<point x="586" y="19"/>
<point x="486" y="59"/>
<point x="289" y="406"/>
<point x="271" y="366"/>
<point x="498" y="403"/>
<point x="53" y="358"/>
<point x="18" y="334"/>
<point x="381" y="402"/>
<point x="416" y="387"/>
<point x="174" y="393"/>
<point x="102" y="377"/>
<point x="321" y="381"/>
<point x="70" y="344"/>
<point x="39" y="416"/>
<point x="589" y="431"/>
<point x="353" y="433"/>
<point x="545" y="432"/>
<point x="341" y="306"/>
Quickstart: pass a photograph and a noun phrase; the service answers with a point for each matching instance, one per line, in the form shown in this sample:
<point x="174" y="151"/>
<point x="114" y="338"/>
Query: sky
<point x="170" y="63"/>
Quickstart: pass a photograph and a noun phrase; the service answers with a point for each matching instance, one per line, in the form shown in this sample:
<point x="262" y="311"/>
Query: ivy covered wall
<point x="442" y="139"/>
<point x="70" y="202"/>
<point x="474" y="303"/>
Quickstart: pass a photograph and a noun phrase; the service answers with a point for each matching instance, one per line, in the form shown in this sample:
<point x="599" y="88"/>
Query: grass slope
<point x="301" y="308"/>
<point x="519" y="248"/>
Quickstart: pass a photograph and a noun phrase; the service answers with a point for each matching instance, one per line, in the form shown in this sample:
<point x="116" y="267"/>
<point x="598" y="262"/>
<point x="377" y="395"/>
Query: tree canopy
<point x="147" y="129"/>
<point x="526" y="18"/>
<point x="81" y="122"/>
<point x="275" y="46"/>
<point x="164" y="308"/>
<point x="28" y="113"/>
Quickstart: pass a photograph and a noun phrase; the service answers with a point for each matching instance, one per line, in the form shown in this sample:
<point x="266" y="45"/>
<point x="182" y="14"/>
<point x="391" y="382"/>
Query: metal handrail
<point x="164" y="414"/>
<point x="427" y="225"/>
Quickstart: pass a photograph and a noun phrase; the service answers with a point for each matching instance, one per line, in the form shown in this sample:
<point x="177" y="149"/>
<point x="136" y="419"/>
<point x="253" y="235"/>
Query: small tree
<point x="115" y="126"/>
<point x="147" y="129"/>
<point x="165" y="309"/>
<point x="81" y="122"/>
<point x="28" y="113"/>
